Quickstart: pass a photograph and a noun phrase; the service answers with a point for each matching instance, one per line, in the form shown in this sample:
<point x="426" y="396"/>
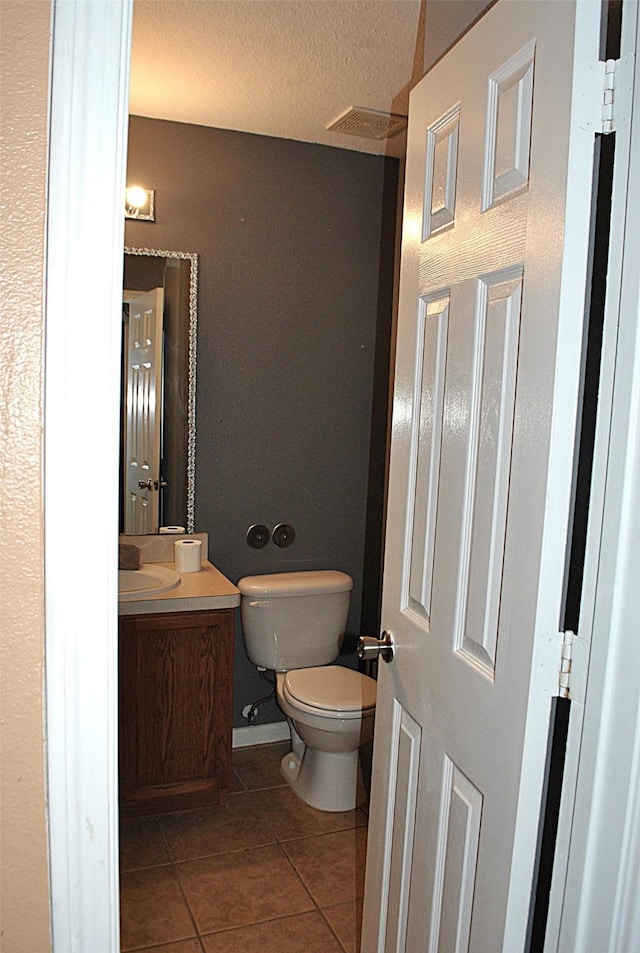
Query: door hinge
<point x="566" y="658"/>
<point x="608" y="90"/>
<point x="574" y="667"/>
<point x="611" y="68"/>
<point x="617" y="93"/>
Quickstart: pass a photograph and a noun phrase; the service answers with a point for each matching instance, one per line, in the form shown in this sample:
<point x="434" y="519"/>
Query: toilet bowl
<point x="330" y="710"/>
<point x="293" y="624"/>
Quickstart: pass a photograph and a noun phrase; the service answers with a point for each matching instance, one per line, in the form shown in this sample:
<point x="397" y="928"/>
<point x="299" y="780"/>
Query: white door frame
<point x="91" y="50"/>
<point x="84" y="263"/>
<point x="597" y="906"/>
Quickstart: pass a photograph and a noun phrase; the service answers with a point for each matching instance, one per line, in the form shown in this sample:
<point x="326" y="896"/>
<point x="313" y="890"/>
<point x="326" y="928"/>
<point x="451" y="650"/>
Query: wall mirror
<point x="158" y="408"/>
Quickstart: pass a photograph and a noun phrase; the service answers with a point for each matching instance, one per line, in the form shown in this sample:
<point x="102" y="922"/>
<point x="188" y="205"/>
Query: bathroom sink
<point x="148" y="580"/>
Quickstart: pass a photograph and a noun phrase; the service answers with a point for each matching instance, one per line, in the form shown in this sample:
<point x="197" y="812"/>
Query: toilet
<point x="293" y="623"/>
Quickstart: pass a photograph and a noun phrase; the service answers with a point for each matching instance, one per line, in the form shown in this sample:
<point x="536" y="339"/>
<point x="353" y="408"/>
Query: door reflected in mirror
<point x="158" y="407"/>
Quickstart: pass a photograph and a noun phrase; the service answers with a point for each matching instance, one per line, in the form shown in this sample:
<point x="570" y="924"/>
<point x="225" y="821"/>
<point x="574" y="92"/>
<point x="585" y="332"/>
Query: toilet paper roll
<point x="172" y="529"/>
<point x="188" y="555"/>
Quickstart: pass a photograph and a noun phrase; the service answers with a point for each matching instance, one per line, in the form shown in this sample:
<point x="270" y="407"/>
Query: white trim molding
<point x="260" y="734"/>
<point x="598" y="907"/>
<point x="85" y="238"/>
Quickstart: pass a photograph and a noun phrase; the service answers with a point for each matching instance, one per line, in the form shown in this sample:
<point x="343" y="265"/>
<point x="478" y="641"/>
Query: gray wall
<point x="295" y="246"/>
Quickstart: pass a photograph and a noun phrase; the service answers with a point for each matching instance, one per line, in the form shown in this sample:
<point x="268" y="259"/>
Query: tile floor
<point x="264" y="873"/>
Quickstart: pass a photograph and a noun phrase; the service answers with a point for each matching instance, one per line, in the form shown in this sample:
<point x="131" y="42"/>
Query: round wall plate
<point x="258" y="536"/>
<point x="283" y="535"/>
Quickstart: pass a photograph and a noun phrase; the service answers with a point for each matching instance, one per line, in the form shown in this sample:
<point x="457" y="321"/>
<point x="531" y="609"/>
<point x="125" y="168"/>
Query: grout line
<point x="165" y="841"/>
<point x="188" y="905"/>
<point x="135" y="870"/>
<point x="225" y="853"/>
<point x="164" y="944"/>
<point x="247" y="790"/>
<point x="240" y="780"/>
<point x="288" y="839"/>
<point x="160" y="863"/>
<point x="333" y="932"/>
<point x="300" y="877"/>
<point x="245" y="926"/>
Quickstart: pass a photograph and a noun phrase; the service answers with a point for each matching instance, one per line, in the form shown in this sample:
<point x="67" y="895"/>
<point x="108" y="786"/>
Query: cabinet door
<point x="176" y="689"/>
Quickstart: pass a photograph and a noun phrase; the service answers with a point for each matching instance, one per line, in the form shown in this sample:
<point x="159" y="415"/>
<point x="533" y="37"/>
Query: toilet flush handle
<point x="372" y="648"/>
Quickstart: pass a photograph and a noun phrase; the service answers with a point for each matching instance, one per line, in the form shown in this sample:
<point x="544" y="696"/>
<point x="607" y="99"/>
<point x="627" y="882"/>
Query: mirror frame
<point x="193" y="343"/>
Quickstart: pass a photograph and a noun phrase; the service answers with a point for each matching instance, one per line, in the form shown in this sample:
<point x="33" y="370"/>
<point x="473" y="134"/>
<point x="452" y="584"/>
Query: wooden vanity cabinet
<point x="175" y="709"/>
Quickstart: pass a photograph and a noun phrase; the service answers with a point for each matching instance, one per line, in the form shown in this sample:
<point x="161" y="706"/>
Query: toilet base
<point x="328" y="781"/>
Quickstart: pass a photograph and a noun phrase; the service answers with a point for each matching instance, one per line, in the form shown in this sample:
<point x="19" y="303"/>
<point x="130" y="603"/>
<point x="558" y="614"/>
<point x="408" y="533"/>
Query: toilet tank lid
<point x="311" y="583"/>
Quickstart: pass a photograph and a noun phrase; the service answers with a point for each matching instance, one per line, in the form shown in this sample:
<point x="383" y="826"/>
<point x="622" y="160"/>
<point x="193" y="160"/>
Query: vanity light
<point x="138" y="203"/>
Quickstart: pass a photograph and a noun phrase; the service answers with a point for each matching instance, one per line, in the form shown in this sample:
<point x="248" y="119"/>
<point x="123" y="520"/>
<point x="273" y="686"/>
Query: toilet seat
<point x="330" y="691"/>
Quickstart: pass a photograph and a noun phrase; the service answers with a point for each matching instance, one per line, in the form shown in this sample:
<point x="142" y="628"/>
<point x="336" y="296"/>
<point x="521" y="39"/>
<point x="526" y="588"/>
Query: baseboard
<point x="260" y="734"/>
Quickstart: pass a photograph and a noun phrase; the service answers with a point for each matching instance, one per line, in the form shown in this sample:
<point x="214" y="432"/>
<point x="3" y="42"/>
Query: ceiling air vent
<point x="368" y="123"/>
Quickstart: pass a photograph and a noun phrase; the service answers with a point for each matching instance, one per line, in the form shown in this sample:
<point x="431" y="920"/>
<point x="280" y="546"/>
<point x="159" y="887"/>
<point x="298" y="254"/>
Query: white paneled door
<point x="490" y="342"/>
<point x="143" y="413"/>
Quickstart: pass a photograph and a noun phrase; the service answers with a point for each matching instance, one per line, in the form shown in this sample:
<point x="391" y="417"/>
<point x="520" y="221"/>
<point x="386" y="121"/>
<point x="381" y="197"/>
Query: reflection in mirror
<point x="158" y="432"/>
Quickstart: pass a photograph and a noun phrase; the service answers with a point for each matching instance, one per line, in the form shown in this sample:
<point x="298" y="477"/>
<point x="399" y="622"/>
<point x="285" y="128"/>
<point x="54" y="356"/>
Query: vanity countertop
<point x="207" y="589"/>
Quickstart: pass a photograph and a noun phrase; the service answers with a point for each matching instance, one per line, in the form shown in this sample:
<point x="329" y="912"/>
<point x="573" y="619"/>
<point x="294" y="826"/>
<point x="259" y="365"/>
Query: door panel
<point x="427" y="444"/>
<point x="406" y="742"/>
<point x="143" y="404"/>
<point x="486" y="469"/>
<point x="482" y="440"/>
<point x="459" y="829"/>
<point x="508" y="133"/>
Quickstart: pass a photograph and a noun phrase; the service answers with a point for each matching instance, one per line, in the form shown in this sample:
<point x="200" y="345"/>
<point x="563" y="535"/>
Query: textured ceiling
<point x="284" y="68"/>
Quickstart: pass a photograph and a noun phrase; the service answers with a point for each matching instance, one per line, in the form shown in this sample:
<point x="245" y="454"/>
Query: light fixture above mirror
<point x="139" y="203"/>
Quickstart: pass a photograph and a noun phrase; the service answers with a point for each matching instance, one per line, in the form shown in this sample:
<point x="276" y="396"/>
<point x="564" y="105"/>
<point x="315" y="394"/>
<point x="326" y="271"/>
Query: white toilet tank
<point x="294" y="619"/>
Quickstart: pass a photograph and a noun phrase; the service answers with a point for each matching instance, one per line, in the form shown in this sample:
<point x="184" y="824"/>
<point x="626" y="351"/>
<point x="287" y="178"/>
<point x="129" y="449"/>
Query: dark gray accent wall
<point x="296" y="245"/>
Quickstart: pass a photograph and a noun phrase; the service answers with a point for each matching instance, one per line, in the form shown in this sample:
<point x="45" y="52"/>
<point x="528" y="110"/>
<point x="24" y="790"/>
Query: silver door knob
<point x="371" y="648"/>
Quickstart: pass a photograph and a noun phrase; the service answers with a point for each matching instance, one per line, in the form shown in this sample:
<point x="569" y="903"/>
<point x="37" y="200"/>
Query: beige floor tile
<point x="331" y="865"/>
<point x="141" y="843"/>
<point x="259" y="766"/>
<point x="152" y="909"/>
<point x="238" y="824"/>
<point x="305" y="933"/>
<point x="346" y="920"/>
<point x="290" y="817"/>
<point x="233" y="890"/>
<point x="237" y="878"/>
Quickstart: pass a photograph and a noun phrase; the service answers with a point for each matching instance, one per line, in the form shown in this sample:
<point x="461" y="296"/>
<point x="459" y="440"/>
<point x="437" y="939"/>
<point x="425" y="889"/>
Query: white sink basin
<point x="148" y="580"/>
